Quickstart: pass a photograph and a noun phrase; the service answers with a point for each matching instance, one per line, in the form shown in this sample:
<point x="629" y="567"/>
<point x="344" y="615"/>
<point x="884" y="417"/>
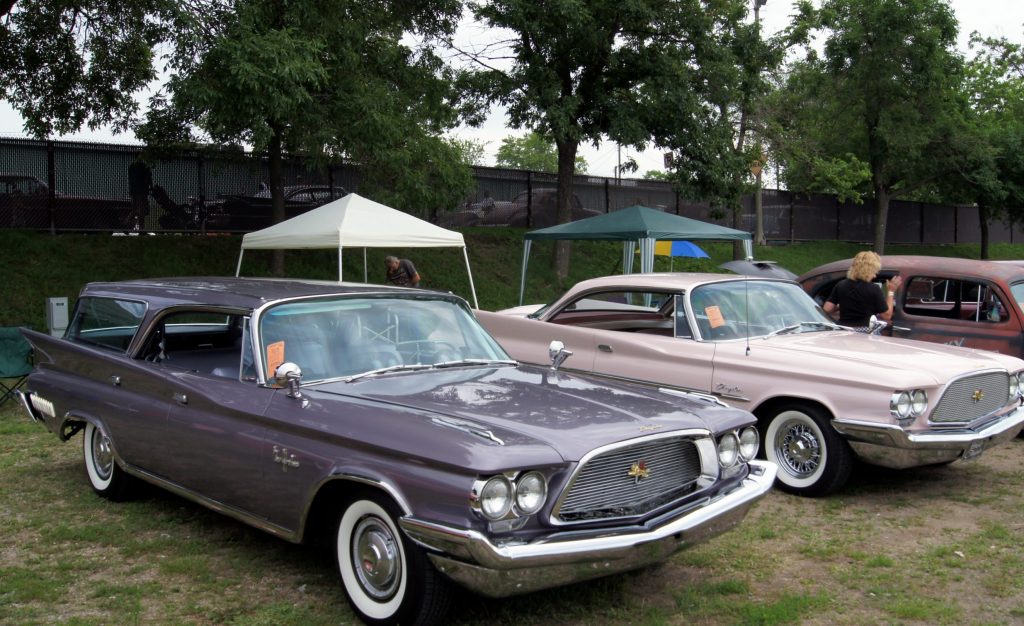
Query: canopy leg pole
<point x="472" y="289"/>
<point x="340" y="266"/>
<point x="238" y="270"/>
<point x="365" y="270"/>
<point x="522" y="276"/>
<point x="748" y="249"/>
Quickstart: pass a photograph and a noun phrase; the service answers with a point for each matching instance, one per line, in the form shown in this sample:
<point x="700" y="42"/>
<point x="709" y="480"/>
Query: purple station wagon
<point x="389" y="423"/>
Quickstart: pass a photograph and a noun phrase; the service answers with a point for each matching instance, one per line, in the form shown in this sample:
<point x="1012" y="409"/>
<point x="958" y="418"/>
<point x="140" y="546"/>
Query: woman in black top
<point x="857" y="298"/>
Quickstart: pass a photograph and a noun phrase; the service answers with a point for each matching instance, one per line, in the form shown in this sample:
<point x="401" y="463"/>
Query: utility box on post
<point x="57" y="316"/>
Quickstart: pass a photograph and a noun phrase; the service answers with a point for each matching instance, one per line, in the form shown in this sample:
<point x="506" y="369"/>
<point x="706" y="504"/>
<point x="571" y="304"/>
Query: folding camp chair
<point x="15" y="361"/>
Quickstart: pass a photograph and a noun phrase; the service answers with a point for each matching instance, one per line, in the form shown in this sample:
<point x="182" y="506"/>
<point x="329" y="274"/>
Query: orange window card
<point x="714" y="316"/>
<point x="275" y="356"/>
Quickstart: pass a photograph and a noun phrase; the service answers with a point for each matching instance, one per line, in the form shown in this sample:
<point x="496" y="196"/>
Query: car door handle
<point x="180" y="398"/>
<point x="115" y="380"/>
<point x="603" y="347"/>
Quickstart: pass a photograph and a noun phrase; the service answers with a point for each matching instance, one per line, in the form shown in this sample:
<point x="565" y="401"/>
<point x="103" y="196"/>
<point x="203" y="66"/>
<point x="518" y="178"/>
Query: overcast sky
<point x="993" y="18"/>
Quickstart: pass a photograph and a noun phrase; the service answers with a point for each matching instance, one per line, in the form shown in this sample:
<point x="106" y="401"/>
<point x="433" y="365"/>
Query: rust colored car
<point x="960" y="302"/>
<point x="388" y="424"/>
<point x="823" y="395"/>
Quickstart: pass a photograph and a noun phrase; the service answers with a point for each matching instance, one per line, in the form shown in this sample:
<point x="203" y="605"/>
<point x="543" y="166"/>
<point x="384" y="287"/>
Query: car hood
<point x="526" y="405"/>
<point x="901" y="362"/>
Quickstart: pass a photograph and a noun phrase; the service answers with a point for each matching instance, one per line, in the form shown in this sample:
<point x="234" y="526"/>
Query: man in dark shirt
<point x="401" y="272"/>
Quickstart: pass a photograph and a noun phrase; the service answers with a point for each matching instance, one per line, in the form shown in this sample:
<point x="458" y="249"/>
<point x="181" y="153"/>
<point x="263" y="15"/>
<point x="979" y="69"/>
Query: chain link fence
<point x="75" y="186"/>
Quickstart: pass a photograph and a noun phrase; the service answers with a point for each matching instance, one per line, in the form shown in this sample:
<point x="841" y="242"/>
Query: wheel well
<point x="769" y="407"/>
<point x="327" y="503"/>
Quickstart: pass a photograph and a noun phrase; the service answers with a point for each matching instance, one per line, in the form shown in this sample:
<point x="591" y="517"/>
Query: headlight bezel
<point x="748" y="449"/>
<point x="728" y="450"/>
<point x="513" y="506"/>
<point x="520" y="482"/>
<point x="495" y="482"/>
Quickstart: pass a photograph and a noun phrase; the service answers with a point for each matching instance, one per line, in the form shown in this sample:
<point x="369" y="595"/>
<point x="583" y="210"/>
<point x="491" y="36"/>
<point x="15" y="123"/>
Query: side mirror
<point x="558" y="354"/>
<point x="288" y="375"/>
<point x="876" y="325"/>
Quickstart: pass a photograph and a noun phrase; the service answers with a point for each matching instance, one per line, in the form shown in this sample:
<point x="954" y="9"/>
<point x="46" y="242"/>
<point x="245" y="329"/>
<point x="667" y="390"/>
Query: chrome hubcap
<point x="102" y="455"/>
<point x="798" y="449"/>
<point x="375" y="558"/>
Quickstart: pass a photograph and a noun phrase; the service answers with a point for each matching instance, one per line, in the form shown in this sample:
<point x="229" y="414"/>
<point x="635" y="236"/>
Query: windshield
<point x="755" y="308"/>
<point x="338" y="337"/>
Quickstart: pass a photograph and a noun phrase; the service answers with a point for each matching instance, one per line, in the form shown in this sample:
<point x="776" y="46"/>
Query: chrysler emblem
<point x="639" y="471"/>
<point x="977" y="395"/>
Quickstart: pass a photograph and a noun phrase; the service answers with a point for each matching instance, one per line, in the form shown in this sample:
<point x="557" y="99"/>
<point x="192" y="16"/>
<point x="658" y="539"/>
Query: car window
<point x="337" y="337"/>
<point x="951" y="298"/>
<point x="621" y="310"/>
<point x="199" y="341"/>
<point x="754" y="308"/>
<point x="105" y="322"/>
<point x="1018" y="293"/>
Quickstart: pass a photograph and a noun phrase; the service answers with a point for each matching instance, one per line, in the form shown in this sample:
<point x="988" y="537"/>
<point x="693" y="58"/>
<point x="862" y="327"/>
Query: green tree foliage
<point x="991" y="167"/>
<point x="67" y="64"/>
<point x="635" y="72"/>
<point x="328" y="79"/>
<point x="533" y="152"/>
<point x="882" y="95"/>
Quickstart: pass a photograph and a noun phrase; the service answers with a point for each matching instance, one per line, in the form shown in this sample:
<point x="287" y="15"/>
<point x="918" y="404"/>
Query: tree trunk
<point x="759" y="238"/>
<point x="881" y="217"/>
<point x="566" y="171"/>
<point x="983" y="219"/>
<point x="276" y="194"/>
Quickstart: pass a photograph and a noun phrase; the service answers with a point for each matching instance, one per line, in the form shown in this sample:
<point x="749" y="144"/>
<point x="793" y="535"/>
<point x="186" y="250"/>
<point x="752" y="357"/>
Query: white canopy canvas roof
<point x="354" y="221"/>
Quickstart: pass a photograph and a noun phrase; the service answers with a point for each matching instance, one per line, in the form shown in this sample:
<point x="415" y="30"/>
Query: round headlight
<point x="531" y="491"/>
<point x="900" y="404"/>
<point x="918" y="402"/>
<point x="1020" y="383"/>
<point x="1015" y="386"/>
<point x="749" y="442"/>
<point x="496" y="498"/>
<point x="728" y="450"/>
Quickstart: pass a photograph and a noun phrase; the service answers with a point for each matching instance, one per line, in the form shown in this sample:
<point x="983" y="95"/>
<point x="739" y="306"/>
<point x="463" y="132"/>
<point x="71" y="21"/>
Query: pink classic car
<point x="823" y="395"/>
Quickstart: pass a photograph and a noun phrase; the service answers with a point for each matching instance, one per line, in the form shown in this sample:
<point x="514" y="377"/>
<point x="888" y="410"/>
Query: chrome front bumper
<point x="889" y="445"/>
<point x="498" y="570"/>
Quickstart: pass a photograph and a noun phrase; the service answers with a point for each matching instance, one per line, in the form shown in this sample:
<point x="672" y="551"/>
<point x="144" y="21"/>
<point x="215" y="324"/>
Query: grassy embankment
<point x="41" y="265"/>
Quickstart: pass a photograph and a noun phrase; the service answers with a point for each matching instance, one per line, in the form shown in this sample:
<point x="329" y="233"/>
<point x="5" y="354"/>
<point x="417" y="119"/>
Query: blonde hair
<point x="865" y="266"/>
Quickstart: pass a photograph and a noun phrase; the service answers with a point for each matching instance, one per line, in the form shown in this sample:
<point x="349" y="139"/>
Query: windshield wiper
<point x="391" y="368"/>
<point x="795" y="327"/>
<point x="458" y="362"/>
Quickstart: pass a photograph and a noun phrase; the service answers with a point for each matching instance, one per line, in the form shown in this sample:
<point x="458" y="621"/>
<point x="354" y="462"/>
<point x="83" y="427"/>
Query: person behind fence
<point x="140" y="182"/>
<point x="401" y="272"/>
<point x="856" y="298"/>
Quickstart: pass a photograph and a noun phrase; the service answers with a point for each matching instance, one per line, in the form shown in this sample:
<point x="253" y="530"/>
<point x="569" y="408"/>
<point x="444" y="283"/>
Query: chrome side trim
<point x="498" y="570"/>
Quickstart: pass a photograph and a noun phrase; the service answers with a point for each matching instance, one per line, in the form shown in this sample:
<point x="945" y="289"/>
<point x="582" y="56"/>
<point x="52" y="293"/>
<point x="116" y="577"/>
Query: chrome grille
<point x="968" y="398"/>
<point x="604" y="489"/>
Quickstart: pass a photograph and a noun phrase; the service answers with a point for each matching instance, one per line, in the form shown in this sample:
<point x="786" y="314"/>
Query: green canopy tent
<point x="633" y="225"/>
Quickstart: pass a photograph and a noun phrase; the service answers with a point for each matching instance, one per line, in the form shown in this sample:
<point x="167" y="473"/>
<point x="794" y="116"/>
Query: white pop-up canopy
<point x="354" y="221"/>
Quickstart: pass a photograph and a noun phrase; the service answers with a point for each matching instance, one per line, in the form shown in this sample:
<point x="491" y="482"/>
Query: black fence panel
<point x="78" y="186"/>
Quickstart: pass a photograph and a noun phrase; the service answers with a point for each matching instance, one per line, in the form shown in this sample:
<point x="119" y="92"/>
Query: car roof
<point x="677" y="281"/>
<point x="232" y="292"/>
<point x="1007" y="272"/>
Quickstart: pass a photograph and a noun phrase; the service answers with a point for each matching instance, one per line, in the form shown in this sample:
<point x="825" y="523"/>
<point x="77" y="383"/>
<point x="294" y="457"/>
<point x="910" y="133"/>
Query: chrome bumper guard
<point x="889" y="445"/>
<point x="499" y="570"/>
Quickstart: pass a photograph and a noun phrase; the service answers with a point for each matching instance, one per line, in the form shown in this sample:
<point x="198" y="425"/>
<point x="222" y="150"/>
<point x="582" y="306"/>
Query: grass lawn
<point x="934" y="545"/>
